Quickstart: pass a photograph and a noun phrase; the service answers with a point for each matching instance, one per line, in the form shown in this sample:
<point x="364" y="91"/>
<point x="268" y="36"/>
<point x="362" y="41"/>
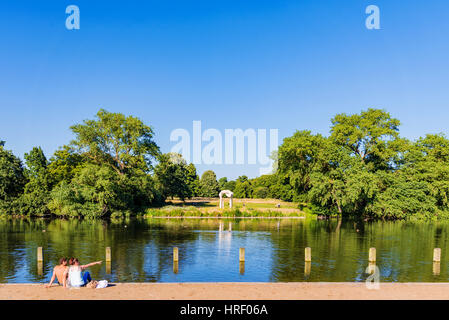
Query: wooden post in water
<point x="175" y="267"/>
<point x="436" y="261"/>
<point x="437" y="255"/>
<point x="242" y="261"/>
<point x="307" y="268"/>
<point x="242" y="255"/>
<point x="308" y="254"/>
<point x="175" y="260"/>
<point x="40" y="261"/>
<point x="40" y="256"/>
<point x="175" y="254"/>
<point x="108" y="260"/>
<point x="40" y="268"/>
<point x="108" y="254"/>
<point x="242" y="268"/>
<point x="436" y="268"/>
<point x="372" y="255"/>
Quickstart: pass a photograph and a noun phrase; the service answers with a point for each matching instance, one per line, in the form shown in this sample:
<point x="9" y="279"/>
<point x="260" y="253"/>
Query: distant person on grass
<point x="74" y="277"/>
<point x="59" y="273"/>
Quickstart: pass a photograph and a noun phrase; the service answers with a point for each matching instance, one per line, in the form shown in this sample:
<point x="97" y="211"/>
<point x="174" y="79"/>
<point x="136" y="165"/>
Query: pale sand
<point x="230" y="291"/>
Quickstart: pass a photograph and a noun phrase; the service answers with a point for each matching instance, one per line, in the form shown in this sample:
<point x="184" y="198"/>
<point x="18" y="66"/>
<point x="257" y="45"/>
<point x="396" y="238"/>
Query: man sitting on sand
<point x="73" y="276"/>
<point x="58" y="272"/>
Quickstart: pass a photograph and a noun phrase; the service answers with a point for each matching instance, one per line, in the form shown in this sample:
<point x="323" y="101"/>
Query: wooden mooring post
<point x="436" y="267"/>
<point x="437" y="255"/>
<point x="308" y="254"/>
<point x="108" y="260"/>
<point x="108" y="267"/>
<point x="175" y="254"/>
<point x="175" y="260"/>
<point x="242" y="268"/>
<point x="242" y="255"/>
<point x="242" y="261"/>
<point x="40" y="261"/>
<point x="40" y="268"/>
<point x="175" y="267"/>
<point x="108" y="254"/>
<point x="40" y="256"/>
<point x="307" y="268"/>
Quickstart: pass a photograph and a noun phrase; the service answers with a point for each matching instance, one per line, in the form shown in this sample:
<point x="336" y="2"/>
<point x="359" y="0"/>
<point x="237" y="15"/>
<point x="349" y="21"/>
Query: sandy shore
<point x="230" y="291"/>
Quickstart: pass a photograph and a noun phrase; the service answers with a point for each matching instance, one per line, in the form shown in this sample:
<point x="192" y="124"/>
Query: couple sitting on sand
<point x="72" y="275"/>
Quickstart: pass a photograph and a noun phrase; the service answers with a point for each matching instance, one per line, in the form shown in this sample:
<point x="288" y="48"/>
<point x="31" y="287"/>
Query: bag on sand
<point x="102" y="284"/>
<point x="93" y="284"/>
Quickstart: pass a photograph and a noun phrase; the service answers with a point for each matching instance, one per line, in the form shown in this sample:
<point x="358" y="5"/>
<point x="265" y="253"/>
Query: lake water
<point x="142" y="249"/>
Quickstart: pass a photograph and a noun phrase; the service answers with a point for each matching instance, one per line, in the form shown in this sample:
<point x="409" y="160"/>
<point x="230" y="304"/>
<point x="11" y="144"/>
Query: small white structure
<point x="229" y="194"/>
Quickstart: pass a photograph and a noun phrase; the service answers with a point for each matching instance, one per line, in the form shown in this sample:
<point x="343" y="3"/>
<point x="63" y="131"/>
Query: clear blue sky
<point x="269" y="64"/>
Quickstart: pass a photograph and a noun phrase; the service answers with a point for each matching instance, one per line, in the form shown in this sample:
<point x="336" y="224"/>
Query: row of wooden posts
<point x="40" y="259"/>
<point x="372" y="255"/>
<point x="307" y="258"/>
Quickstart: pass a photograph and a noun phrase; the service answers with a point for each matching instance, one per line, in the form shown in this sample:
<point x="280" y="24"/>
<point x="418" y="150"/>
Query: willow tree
<point x="370" y="135"/>
<point x="107" y="172"/>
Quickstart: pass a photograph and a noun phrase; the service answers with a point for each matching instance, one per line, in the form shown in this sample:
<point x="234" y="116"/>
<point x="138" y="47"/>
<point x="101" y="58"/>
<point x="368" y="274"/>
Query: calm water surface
<point x="142" y="249"/>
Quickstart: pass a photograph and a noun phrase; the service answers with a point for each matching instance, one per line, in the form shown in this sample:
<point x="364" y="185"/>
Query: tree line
<point x="364" y="168"/>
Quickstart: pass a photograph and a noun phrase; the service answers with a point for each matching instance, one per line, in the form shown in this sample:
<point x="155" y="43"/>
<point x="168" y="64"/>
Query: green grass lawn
<point x="241" y="208"/>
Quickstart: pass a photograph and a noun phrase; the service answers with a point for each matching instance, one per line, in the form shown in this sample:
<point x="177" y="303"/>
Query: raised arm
<point x="90" y="264"/>
<point x="52" y="279"/>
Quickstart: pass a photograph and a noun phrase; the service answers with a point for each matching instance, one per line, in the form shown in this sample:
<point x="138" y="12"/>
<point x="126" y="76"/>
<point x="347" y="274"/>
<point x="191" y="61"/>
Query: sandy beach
<point x="230" y="291"/>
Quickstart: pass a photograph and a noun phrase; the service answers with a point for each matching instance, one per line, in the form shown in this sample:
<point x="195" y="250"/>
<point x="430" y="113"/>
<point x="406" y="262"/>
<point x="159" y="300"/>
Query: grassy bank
<point x="205" y="207"/>
<point x="201" y="207"/>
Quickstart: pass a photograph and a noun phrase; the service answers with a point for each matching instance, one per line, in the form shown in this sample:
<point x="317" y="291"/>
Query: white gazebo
<point x="229" y="194"/>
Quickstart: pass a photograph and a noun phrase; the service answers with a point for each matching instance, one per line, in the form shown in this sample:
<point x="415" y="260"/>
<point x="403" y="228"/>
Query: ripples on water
<point x="142" y="249"/>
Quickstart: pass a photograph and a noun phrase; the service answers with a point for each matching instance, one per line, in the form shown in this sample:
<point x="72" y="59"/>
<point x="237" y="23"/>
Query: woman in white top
<point x="74" y="277"/>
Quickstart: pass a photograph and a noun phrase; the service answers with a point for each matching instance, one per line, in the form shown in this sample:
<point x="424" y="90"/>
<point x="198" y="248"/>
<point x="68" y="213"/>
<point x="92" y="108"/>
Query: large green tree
<point x="369" y="135"/>
<point x="121" y="142"/>
<point x="365" y="168"/>
<point x="339" y="182"/>
<point x="12" y="178"/>
<point x="243" y="188"/>
<point x="209" y="185"/>
<point x="298" y="156"/>
<point x="230" y="185"/>
<point x="222" y="182"/>
<point x="37" y="190"/>
<point x="106" y="170"/>
<point x="64" y="165"/>
<point x="172" y="175"/>
<point x="193" y="180"/>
